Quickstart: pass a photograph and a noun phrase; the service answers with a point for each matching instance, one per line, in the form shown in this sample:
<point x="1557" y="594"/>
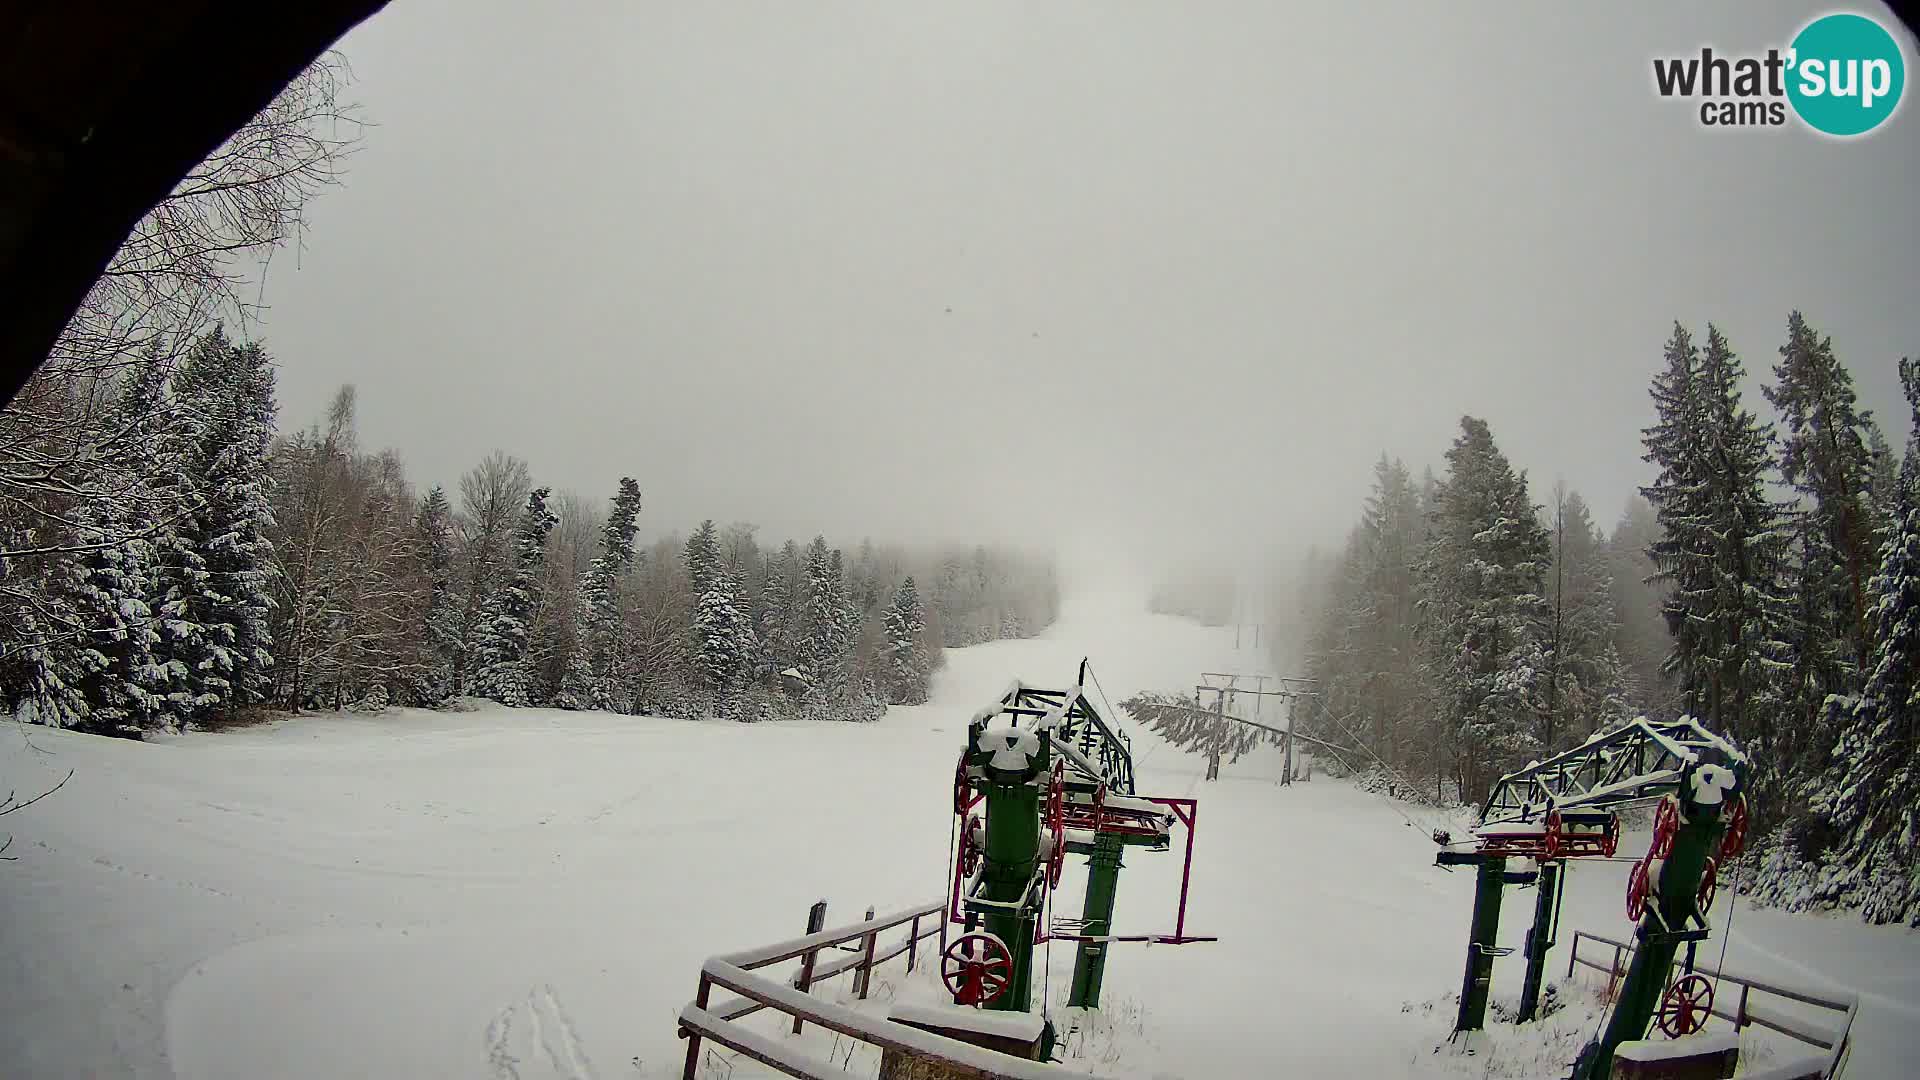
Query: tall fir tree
<point x="1722" y="546"/>
<point x="590" y="675"/>
<point x="703" y="556"/>
<point x="1864" y="813"/>
<point x="129" y="688"/>
<point x="825" y="642"/>
<point x="724" y="642"/>
<point x="215" y="583"/>
<point x="782" y="604"/>
<point x="1483" y="571"/>
<point x="1585" y="691"/>
<point x="501" y="671"/>
<point x="433" y="532"/>
<point x="906" y="661"/>
<point x="1827" y="457"/>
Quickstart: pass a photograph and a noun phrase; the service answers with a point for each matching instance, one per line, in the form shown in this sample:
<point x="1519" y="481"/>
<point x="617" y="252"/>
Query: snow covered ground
<point x="529" y="894"/>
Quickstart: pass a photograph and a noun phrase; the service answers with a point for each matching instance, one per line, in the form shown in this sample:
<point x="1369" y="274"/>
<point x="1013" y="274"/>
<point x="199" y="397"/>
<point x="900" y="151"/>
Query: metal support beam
<point x="1540" y="938"/>
<point x="1103" y="883"/>
<point x="1481" y="948"/>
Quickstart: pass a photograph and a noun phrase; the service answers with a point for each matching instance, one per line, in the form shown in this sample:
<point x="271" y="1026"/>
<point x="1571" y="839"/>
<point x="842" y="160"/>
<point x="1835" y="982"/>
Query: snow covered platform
<point x="1015" y="1033"/>
<point x="1695" y="1057"/>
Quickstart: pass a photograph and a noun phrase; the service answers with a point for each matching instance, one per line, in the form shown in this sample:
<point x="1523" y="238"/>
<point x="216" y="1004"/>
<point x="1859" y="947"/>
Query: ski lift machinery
<point x="1045" y="774"/>
<point x="1567" y="807"/>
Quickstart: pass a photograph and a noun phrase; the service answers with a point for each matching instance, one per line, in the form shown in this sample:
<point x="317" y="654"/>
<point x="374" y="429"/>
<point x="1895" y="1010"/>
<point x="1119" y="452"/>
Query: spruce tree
<point x="824" y="642"/>
<point x="703" y="556"/>
<point x="1827" y="457"/>
<point x="501" y="671"/>
<point x="214" y="584"/>
<point x="906" y="661"/>
<point x="1483" y="572"/>
<point x="127" y="685"/>
<point x="433" y="538"/>
<point x="1864" y="813"/>
<point x="1586" y="692"/>
<point x="589" y="681"/>
<point x="724" y="641"/>
<point x="782" y="604"/>
<point x="1721" y="548"/>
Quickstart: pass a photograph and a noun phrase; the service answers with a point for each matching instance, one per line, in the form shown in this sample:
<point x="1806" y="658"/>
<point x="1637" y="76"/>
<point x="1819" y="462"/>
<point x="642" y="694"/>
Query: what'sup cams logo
<point x="1842" y="75"/>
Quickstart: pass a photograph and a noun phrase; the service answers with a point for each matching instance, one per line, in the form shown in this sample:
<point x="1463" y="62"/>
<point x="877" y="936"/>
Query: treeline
<point x="1766" y="585"/>
<point x="196" y="564"/>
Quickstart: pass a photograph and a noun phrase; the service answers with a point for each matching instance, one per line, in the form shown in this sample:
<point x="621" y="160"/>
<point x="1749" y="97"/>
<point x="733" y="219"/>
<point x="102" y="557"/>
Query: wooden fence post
<point x="866" y="961"/>
<point x="913" y="944"/>
<point x="693" y="1037"/>
<point x="816" y="922"/>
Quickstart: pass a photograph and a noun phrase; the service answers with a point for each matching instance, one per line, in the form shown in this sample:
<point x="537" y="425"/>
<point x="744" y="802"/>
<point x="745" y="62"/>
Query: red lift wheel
<point x="1637" y="884"/>
<point x="1735" y="841"/>
<point x="1056" y="822"/>
<point x="969" y="851"/>
<point x="977" y="968"/>
<point x="962" y="793"/>
<point x="1610" y="838"/>
<point x="1550" y="839"/>
<point x="1666" y="822"/>
<point x="1685" y="1007"/>
<point x="1709" y="877"/>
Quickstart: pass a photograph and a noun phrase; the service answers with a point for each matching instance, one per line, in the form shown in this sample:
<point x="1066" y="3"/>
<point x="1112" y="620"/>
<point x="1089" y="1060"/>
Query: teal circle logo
<point x="1845" y="74"/>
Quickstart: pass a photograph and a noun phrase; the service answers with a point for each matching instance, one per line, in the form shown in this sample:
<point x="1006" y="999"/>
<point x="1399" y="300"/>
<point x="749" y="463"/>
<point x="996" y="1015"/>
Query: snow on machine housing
<point x="1044" y="774"/>
<point x="1567" y="808"/>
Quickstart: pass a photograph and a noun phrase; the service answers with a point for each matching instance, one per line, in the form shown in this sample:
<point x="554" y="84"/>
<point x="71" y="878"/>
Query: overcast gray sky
<point x="982" y="269"/>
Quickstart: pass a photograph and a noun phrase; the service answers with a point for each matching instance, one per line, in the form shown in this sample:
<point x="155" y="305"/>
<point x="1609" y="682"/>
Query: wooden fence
<point x="739" y="973"/>
<point x="1833" y="1039"/>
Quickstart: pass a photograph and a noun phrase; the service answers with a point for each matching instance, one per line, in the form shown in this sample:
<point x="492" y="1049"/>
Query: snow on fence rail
<point x="1835" y="1040"/>
<point x="737" y="972"/>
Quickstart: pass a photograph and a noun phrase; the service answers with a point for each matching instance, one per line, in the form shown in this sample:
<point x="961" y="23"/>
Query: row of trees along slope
<point x="236" y="567"/>
<point x="1766" y="582"/>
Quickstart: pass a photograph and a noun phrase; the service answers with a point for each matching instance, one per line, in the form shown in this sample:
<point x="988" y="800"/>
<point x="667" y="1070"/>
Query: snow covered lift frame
<point x="1054" y="778"/>
<point x="1566" y="807"/>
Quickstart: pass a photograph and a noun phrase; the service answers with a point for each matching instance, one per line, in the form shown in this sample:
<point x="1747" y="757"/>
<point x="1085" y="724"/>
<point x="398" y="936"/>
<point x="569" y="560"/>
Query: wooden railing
<point x="1834" y="1040"/>
<point x="738" y="972"/>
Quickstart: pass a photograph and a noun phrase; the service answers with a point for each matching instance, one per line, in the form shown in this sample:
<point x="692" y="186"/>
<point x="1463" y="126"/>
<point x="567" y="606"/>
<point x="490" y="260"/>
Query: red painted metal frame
<point x="1557" y="839"/>
<point x="1187" y="811"/>
<point x="959" y="874"/>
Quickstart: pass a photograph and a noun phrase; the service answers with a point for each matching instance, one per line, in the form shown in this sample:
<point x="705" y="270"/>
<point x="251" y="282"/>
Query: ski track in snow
<point x="361" y="896"/>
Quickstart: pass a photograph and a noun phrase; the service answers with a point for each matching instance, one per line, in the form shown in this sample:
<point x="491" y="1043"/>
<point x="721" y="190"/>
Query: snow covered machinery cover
<point x="1052" y="777"/>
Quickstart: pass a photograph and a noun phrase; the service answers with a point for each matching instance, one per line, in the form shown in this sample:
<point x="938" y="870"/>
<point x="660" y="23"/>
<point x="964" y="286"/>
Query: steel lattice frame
<point x="1638" y="763"/>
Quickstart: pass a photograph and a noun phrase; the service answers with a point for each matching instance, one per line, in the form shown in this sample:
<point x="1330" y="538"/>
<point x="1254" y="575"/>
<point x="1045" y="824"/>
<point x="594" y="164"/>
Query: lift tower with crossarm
<point x="1567" y="808"/>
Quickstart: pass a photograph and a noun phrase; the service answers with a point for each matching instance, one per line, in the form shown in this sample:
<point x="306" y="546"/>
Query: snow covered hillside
<point x="530" y="893"/>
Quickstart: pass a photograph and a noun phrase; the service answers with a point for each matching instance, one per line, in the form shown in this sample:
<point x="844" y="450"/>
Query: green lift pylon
<point x="1564" y="808"/>
<point x="1053" y="778"/>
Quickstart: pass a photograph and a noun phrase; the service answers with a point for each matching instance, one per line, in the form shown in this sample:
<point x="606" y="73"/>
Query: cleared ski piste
<point x="530" y="893"/>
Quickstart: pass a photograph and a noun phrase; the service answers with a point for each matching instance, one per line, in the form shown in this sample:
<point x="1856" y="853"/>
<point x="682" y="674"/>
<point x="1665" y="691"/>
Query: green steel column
<point x="1103" y="881"/>
<point x="1486" y="930"/>
<point x="1013" y="847"/>
<point x="1539" y="939"/>
<point x="1653" y="956"/>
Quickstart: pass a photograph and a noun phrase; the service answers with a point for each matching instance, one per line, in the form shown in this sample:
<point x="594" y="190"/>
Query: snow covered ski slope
<point x="529" y="894"/>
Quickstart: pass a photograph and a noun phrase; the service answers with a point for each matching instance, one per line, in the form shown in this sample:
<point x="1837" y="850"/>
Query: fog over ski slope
<point x="530" y="893"/>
